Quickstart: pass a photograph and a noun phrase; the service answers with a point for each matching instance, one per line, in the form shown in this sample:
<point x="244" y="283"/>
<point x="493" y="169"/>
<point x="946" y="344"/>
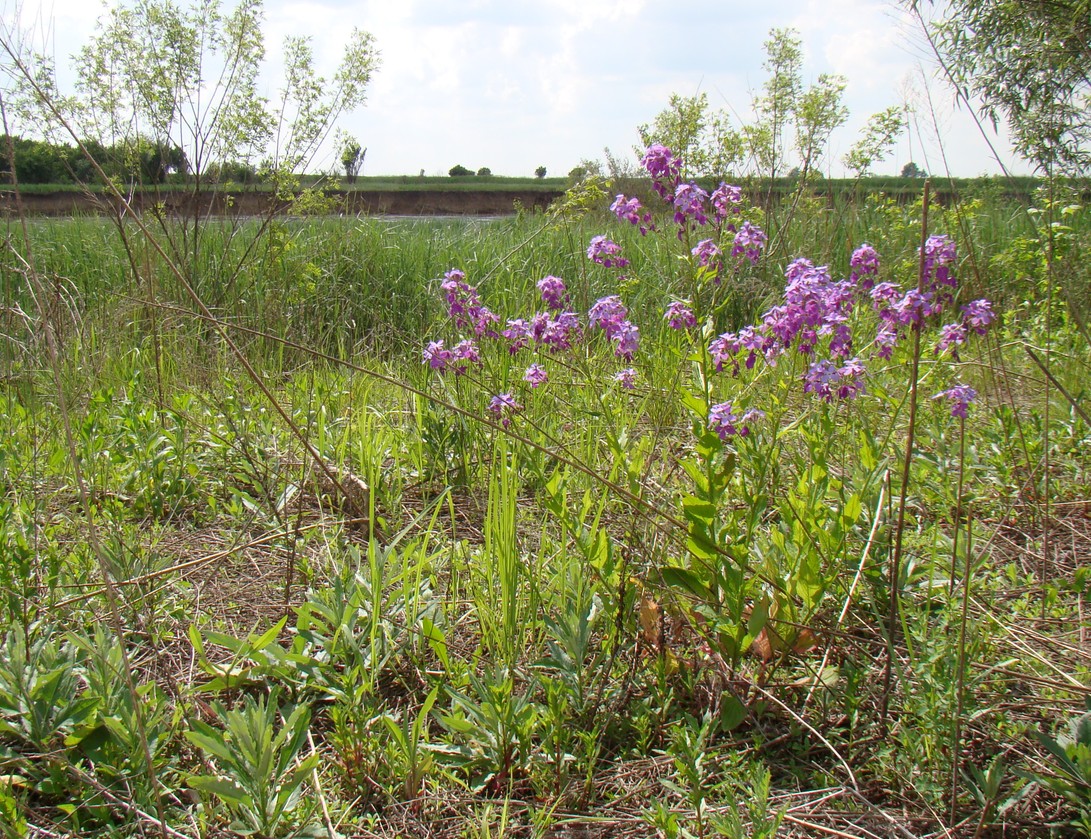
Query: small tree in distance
<point x="484" y="172"/>
<point x="459" y="171"/>
<point x="540" y="172"/>
<point x="912" y="170"/>
<point x="352" y="158"/>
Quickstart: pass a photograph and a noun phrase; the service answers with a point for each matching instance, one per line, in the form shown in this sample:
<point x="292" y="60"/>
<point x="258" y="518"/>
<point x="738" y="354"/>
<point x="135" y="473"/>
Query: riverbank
<point x="253" y="203"/>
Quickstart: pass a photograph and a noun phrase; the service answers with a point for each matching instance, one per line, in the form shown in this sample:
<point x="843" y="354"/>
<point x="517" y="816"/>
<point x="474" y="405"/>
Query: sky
<point x="513" y="85"/>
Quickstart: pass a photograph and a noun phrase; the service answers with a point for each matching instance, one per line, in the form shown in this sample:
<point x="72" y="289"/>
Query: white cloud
<point x="517" y="85"/>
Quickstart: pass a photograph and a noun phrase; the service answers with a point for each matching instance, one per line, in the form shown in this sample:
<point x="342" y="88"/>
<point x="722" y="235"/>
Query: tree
<point x="912" y="170"/>
<point x="484" y="172"/>
<point x="540" y="172"/>
<point x="774" y="108"/>
<point x="177" y="76"/>
<point x="874" y="145"/>
<point x="459" y="171"/>
<point x="352" y="158"/>
<point x="1026" y="61"/>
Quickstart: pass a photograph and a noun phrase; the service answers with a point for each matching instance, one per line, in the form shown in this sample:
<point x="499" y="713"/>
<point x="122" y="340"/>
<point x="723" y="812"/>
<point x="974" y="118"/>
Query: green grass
<point x="603" y="614"/>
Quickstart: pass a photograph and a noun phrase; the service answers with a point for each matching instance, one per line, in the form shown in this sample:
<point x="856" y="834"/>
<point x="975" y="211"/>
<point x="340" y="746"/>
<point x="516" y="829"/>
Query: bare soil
<point x="377" y="202"/>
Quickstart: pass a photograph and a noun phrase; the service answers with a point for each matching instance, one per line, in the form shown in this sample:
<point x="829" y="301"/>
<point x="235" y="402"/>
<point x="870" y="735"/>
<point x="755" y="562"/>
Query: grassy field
<point x="277" y="562"/>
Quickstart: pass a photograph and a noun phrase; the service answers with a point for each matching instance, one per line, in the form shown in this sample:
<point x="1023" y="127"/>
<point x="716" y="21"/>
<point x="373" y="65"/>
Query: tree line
<point x="145" y="162"/>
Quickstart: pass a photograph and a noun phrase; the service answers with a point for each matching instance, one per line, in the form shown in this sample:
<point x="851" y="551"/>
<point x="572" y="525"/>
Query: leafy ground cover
<point x="684" y="519"/>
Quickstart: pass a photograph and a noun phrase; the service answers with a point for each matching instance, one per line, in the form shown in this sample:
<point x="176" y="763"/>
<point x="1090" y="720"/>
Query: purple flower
<point x="605" y="252"/>
<point x="536" y="375"/>
<point x="851" y="379"/>
<point x="664" y="168"/>
<point x="939" y="255"/>
<point x="749" y="242"/>
<point x="554" y="294"/>
<point x="821" y="379"/>
<point x="483" y="321"/>
<point x="723" y="351"/>
<point x="518" y="332"/>
<point x="462" y="299"/>
<point x="503" y="406"/>
<point x="679" y="316"/>
<point x="436" y="357"/>
<point x="629" y="209"/>
<point x="951" y="337"/>
<point x="465" y="355"/>
<point x="628" y="340"/>
<point x="727" y="200"/>
<point x="608" y="313"/>
<point x="977" y="315"/>
<point x="885" y="293"/>
<point x="886" y="336"/>
<point x="706" y="251"/>
<point x="960" y="396"/>
<point x="626" y="378"/>
<point x="689" y="200"/>
<point x="865" y="267"/>
<point x="560" y="333"/>
<point x="726" y="423"/>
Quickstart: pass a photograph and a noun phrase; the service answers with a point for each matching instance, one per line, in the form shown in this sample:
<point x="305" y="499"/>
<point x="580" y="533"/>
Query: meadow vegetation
<point x="681" y="509"/>
<point x="639" y="522"/>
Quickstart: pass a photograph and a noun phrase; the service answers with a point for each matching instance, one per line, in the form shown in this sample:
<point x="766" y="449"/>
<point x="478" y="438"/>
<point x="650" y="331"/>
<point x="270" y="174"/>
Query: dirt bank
<point x="379" y="202"/>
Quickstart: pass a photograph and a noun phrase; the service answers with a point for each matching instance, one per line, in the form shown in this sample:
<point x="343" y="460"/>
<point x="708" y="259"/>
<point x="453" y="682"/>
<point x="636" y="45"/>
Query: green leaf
<point x="227" y="791"/>
<point x="701" y="545"/>
<point x="852" y="511"/>
<point x="699" y="510"/>
<point x="732" y="712"/>
<point x="686" y="580"/>
<point x="210" y="741"/>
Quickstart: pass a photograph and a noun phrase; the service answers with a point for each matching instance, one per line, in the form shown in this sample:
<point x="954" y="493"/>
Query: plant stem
<point x="907" y="462"/>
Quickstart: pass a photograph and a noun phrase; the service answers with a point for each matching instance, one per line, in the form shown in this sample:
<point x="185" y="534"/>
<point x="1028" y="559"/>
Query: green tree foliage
<point x="791" y="127"/>
<point x="161" y="74"/>
<point x="352" y="158"/>
<point x="875" y="141"/>
<point x="459" y="171"/>
<point x="912" y="170"/>
<point x="1026" y="61"/>
<point x="540" y="172"/>
<point x="702" y="137"/>
<point x="484" y="172"/>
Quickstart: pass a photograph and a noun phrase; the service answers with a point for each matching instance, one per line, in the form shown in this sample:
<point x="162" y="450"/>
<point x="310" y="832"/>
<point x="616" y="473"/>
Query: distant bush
<point x="459" y="171"/>
<point x="540" y="172"/>
<point x="484" y="172"/>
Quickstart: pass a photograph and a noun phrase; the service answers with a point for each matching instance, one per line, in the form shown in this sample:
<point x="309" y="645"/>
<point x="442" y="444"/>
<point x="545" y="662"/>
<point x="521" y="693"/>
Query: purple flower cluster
<point x="626" y="378"/>
<point x="826" y="380"/>
<point x="865" y="267"/>
<point x="727" y="201"/>
<point x="464" y="305"/>
<point x="610" y="315"/>
<point x="459" y="358"/>
<point x="960" y="396"/>
<point x="503" y="406"/>
<point x="679" y="316"/>
<point x="689" y="202"/>
<point x="749" y="242"/>
<point x="554" y="330"/>
<point x="630" y="210"/>
<point x="665" y="169"/>
<point x="536" y="375"/>
<point x="554" y="293"/>
<point x="606" y="253"/>
<point x="559" y="334"/>
<point x="723" y="420"/>
<point x="816" y="311"/>
<point x="977" y="315"/>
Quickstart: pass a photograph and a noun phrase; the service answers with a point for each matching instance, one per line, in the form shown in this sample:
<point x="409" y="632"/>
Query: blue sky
<point x="514" y="85"/>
